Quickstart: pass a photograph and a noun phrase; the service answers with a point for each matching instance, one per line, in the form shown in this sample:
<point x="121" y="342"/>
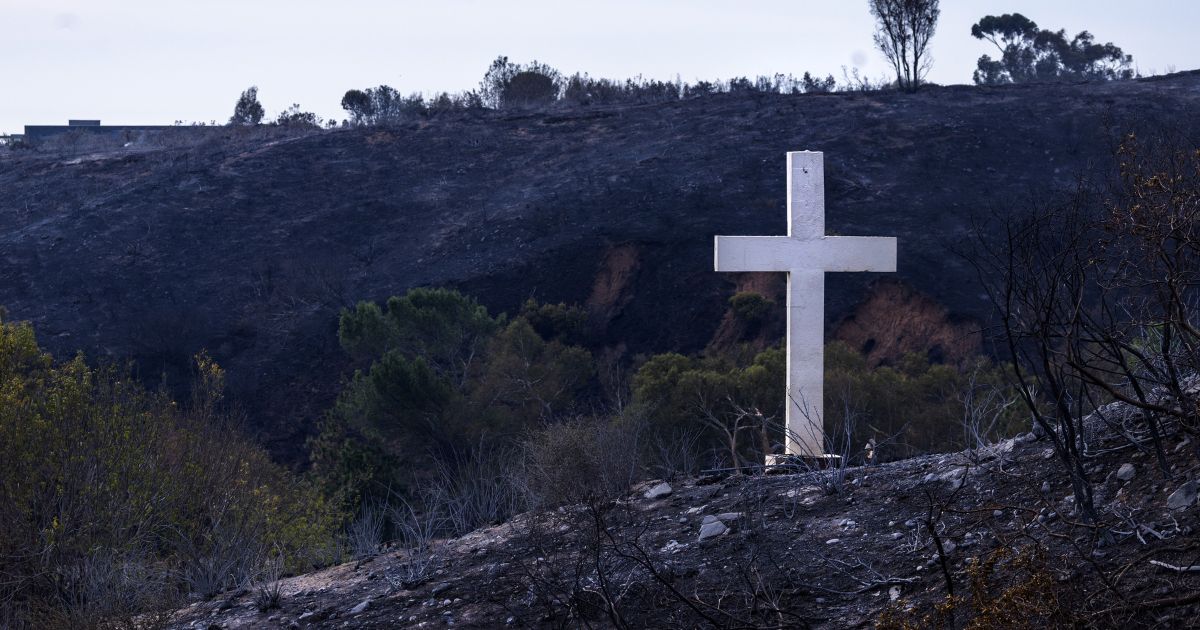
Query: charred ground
<point x="874" y="547"/>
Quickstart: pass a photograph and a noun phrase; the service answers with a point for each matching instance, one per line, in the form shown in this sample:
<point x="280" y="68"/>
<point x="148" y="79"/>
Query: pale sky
<point x="158" y="61"/>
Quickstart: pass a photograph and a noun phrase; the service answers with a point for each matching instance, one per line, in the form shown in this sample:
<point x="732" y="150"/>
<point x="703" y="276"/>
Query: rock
<point x="361" y="607"/>
<point x="948" y="547"/>
<point x="896" y="536"/>
<point x="1045" y="487"/>
<point x="1126" y="472"/>
<point x="729" y="516"/>
<point x="712" y="529"/>
<point x="998" y="513"/>
<point x="659" y="491"/>
<point x="708" y="518"/>
<point x="1184" y="496"/>
<point x="439" y="588"/>
<point x="308" y="615"/>
<point x="673" y="546"/>
<point x="833" y="541"/>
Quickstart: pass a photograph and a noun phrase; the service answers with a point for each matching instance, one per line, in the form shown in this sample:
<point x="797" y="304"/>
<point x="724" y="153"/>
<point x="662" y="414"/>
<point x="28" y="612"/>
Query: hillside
<point x="248" y="246"/>
<point x="877" y="546"/>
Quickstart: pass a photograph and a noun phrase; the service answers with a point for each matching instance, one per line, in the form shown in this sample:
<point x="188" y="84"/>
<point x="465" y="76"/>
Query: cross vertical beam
<point x="805" y="254"/>
<point x="804" y="415"/>
<point x="805" y="337"/>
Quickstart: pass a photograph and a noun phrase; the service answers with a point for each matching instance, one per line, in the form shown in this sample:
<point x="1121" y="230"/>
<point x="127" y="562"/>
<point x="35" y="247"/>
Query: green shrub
<point x="910" y="408"/>
<point x="750" y="307"/>
<point x="101" y="480"/>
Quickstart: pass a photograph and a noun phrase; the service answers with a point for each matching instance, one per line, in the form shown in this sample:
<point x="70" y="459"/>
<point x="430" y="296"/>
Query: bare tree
<point x="903" y="31"/>
<point x="1096" y="299"/>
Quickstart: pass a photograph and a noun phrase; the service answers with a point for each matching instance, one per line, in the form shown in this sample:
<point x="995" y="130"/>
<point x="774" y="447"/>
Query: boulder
<point x="1126" y="472"/>
<point x="659" y="491"/>
<point x="1183" y="497"/>
<point x="712" y="529"/>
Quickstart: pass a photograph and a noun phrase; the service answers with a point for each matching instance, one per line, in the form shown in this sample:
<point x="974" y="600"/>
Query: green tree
<point x="441" y="376"/>
<point x="247" y="110"/>
<point x="358" y="104"/>
<point x="1028" y="53"/>
<point x="444" y="327"/>
<point x="509" y="85"/>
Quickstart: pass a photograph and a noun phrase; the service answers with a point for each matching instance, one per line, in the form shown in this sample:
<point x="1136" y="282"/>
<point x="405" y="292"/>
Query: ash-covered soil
<point x="798" y="550"/>
<point x="247" y="245"/>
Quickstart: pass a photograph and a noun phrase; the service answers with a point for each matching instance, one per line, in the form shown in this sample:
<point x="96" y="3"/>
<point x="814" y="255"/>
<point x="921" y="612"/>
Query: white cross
<point x="805" y="254"/>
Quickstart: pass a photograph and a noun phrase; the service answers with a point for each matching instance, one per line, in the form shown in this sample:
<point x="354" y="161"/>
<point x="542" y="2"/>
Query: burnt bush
<point x="587" y="459"/>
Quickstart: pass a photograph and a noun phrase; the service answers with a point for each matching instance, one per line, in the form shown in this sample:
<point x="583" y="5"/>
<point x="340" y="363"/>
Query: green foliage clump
<point x="915" y="406"/>
<point x="441" y="375"/>
<point x="508" y="85"/>
<point x="909" y="408"/>
<point x="115" y="499"/>
<point x="383" y="105"/>
<point x="295" y="117"/>
<point x="727" y="399"/>
<point x="560" y="322"/>
<point x="750" y="307"/>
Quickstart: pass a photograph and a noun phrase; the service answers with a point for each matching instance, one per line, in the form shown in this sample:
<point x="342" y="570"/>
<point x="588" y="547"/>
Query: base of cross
<point x="788" y="463"/>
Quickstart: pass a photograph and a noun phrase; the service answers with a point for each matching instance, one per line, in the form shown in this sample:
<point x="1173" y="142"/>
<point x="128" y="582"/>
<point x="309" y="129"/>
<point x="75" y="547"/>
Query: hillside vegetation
<point x="248" y="242"/>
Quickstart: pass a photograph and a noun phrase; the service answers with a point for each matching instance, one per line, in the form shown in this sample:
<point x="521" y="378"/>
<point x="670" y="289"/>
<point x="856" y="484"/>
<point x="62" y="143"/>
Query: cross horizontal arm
<point x="787" y="253"/>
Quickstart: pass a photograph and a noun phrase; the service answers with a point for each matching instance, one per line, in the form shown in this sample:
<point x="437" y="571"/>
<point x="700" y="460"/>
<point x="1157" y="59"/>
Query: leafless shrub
<point x="365" y="533"/>
<point x="268" y="591"/>
<point x="109" y="586"/>
<point x="675" y="455"/>
<point x="985" y="407"/>
<point x="482" y="488"/>
<point x="831" y="468"/>
<point x="579" y="460"/>
<point x="417" y="527"/>
<point x="225" y="558"/>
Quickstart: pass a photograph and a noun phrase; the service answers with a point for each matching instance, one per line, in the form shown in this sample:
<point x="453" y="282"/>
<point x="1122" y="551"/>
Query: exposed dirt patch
<point x="760" y="334"/>
<point x="895" y="320"/>
<point x="613" y="287"/>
